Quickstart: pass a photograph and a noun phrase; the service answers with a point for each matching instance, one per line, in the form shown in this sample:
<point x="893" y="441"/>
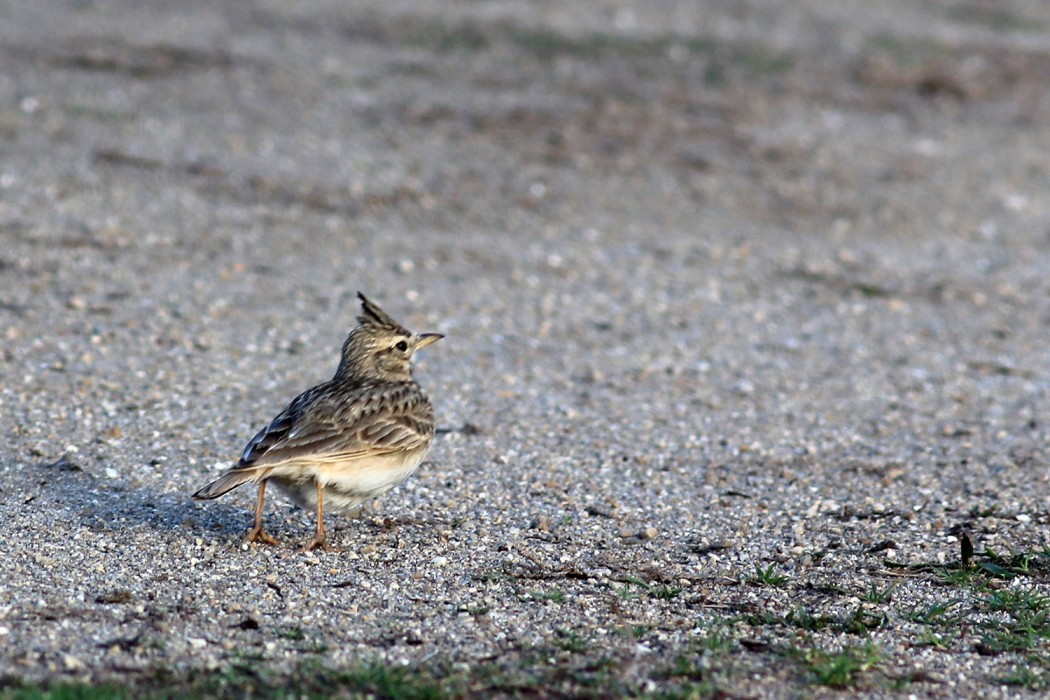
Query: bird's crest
<point x="374" y="317"/>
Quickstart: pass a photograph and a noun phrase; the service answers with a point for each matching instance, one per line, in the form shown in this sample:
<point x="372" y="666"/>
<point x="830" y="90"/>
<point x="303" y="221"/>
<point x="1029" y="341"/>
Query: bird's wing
<point x="278" y="430"/>
<point x="326" y="425"/>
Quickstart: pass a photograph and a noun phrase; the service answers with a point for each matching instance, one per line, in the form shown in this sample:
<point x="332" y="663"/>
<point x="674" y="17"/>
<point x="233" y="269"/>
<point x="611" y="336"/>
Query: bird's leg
<point x="318" y="541"/>
<point x="257" y="533"/>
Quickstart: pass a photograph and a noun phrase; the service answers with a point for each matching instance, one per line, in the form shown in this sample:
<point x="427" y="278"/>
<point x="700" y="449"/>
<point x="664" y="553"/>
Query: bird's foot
<point x="257" y="533"/>
<point x="318" y="542"/>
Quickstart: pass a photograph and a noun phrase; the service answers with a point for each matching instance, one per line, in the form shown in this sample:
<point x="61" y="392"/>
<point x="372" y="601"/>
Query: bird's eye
<point x="401" y="346"/>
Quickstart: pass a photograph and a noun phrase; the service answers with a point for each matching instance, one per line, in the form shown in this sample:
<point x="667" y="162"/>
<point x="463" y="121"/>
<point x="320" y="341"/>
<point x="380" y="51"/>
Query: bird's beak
<point x="425" y="339"/>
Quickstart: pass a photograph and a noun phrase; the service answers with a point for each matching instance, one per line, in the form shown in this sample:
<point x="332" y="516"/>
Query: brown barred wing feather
<point x="341" y="424"/>
<point x="393" y="433"/>
<point x="287" y="423"/>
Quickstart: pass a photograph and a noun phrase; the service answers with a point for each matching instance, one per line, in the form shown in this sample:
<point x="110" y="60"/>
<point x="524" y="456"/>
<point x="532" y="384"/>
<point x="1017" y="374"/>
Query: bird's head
<point x="380" y="347"/>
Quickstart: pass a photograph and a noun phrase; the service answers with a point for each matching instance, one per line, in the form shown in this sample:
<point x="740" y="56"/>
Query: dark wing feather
<point x="334" y="420"/>
<point x="279" y="428"/>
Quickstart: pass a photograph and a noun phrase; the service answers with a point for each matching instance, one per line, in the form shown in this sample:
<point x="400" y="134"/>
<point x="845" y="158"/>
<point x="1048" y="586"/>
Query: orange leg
<point x="319" y="537"/>
<point x="257" y="533"/>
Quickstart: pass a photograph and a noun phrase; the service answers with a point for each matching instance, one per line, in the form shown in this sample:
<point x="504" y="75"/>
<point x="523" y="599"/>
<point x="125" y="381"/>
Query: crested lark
<point x="348" y="440"/>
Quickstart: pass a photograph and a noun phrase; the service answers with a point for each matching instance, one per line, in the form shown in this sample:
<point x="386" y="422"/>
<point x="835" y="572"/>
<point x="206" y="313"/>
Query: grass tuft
<point x="841" y="669"/>
<point x="767" y="577"/>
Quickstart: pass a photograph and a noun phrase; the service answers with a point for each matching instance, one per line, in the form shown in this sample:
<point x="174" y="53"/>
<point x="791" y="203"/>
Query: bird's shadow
<point x="84" y="500"/>
<point x="81" y="499"/>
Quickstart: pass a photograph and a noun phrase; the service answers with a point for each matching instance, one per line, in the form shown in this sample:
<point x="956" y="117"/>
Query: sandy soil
<point x="746" y="308"/>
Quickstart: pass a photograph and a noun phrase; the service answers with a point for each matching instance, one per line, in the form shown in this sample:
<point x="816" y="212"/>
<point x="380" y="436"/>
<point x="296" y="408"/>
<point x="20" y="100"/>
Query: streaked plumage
<point x="349" y="439"/>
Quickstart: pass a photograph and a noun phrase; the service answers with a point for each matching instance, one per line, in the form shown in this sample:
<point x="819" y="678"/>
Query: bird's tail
<point x="228" y="482"/>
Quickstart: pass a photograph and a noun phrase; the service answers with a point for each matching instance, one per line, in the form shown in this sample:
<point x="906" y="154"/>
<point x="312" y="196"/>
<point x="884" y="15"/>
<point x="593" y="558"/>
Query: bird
<point x="347" y="440"/>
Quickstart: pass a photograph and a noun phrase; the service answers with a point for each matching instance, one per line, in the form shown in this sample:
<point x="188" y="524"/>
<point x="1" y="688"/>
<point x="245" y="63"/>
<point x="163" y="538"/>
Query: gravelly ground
<point x="724" y="287"/>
